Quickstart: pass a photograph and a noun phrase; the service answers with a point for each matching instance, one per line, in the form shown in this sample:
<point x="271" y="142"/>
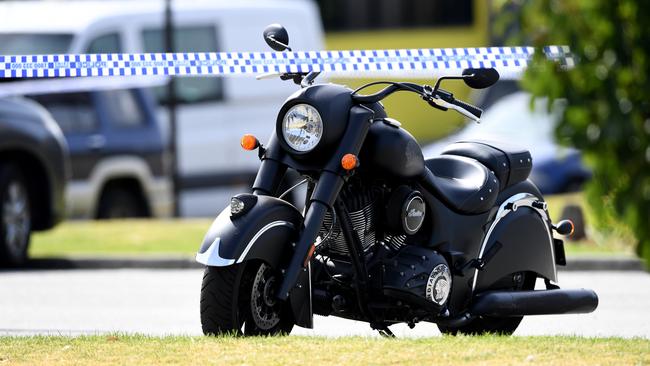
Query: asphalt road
<point x="162" y="302"/>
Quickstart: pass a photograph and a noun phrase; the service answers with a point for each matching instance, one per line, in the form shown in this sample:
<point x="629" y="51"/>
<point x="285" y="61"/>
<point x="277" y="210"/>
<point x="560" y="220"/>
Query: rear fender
<point x="523" y="230"/>
<point x="264" y="231"/>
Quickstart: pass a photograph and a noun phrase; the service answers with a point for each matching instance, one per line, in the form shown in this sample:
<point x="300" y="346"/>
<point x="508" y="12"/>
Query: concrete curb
<point x="573" y="264"/>
<point x="113" y="263"/>
<point x="603" y="264"/>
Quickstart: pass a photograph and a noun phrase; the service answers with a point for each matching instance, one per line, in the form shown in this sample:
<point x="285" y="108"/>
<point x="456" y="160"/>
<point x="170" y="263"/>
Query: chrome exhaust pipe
<point x="543" y="302"/>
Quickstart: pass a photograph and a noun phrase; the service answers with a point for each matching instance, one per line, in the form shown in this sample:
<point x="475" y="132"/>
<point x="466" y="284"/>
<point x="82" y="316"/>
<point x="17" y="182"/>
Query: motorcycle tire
<point x="239" y="300"/>
<point x="493" y="325"/>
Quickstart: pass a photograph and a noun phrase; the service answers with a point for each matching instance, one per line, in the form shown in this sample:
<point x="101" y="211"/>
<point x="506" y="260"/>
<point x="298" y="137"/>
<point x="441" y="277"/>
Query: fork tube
<point x="327" y="189"/>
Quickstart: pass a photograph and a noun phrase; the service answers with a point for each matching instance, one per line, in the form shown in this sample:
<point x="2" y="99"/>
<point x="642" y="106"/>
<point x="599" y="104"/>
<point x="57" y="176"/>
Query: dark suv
<point x="117" y="153"/>
<point x="33" y="173"/>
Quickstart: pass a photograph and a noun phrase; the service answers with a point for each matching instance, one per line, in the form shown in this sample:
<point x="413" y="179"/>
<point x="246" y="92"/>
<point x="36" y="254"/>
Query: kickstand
<point x="383" y="330"/>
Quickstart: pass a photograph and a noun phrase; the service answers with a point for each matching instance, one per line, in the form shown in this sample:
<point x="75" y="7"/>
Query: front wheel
<point x="240" y="299"/>
<point x="486" y="324"/>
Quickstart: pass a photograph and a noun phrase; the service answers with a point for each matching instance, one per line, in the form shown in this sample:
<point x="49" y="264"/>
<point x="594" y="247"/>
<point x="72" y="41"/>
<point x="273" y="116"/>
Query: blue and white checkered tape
<point x="509" y="61"/>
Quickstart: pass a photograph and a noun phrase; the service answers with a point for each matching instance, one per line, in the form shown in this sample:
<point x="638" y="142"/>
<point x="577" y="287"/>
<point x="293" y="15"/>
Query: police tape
<point x="509" y="61"/>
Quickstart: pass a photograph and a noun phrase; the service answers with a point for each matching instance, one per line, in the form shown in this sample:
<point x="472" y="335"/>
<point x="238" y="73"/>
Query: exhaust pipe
<point x="543" y="302"/>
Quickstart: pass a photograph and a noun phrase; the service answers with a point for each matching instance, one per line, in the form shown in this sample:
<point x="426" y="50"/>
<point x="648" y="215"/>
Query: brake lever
<point x="428" y="94"/>
<point x="446" y="100"/>
<point x="297" y="78"/>
<point x="432" y="103"/>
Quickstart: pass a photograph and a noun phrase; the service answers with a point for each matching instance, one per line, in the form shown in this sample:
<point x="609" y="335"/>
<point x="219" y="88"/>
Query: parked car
<point x="213" y="113"/>
<point x="33" y="173"/>
<point x="556" y="169"/>
<point x="117" y="153"/>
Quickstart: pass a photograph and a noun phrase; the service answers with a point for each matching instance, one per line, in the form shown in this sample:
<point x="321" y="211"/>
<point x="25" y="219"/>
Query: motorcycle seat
<point x="462" y="183"/>
<point x="511" y="164"/>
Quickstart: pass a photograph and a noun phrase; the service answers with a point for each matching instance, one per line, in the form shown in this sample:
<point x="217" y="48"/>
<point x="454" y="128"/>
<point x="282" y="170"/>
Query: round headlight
<point x="302" y="127"/>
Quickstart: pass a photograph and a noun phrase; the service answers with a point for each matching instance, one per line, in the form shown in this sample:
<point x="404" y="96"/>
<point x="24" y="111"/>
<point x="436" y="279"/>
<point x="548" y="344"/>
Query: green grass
<point x="424" y="122"/>
<point x="618" y="241"/>
<point x="487" y="350"/>
<point x="121" y="237"/>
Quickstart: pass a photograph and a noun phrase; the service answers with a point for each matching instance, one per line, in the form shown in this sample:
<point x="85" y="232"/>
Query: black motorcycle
<point x="386" y="236"/>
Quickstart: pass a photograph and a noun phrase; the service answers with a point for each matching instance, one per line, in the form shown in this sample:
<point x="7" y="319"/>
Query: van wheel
<point x="16" y="219"/>
<point x="501" y="326"/>
<point x="240" y="300"/>
<point x="120" y="202"/>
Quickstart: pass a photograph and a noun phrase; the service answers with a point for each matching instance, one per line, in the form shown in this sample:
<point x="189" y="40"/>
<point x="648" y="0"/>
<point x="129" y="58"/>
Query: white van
<point x="213" y="113"/>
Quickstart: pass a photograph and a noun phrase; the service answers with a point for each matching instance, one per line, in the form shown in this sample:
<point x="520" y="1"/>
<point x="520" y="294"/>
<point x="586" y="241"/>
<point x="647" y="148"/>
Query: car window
<point x="34" y="43"/>
<point x="123" y="108"/>
<point x="187" y="39"/>
<point x="74" y="112"/>
<point x="109" y="43"/>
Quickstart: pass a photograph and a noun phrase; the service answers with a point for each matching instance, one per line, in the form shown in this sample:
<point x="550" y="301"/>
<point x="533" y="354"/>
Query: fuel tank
<point x="390" y="149"/>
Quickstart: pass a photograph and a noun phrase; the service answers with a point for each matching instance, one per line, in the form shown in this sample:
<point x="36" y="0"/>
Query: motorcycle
<point x="385" y="236"/>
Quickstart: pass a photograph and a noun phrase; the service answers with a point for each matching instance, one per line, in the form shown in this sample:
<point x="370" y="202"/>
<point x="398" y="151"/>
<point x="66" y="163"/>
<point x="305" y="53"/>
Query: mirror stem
<point x="272" y="39"/>
<point x="450" y="78"/>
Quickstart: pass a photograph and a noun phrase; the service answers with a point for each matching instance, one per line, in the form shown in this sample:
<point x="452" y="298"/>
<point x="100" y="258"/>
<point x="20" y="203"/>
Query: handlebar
<point x="437" y="98"/>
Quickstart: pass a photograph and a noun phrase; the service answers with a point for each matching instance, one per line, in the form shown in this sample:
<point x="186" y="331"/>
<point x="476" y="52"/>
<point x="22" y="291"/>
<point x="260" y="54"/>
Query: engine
<point x="363" y="206"/>
<point x="387" y="217"/>
<point x="379" y="215"/>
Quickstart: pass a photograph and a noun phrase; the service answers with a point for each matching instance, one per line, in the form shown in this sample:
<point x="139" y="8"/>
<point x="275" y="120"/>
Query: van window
<point x="123" y="108"/>
<point x="74" y="112"/>
<point x="34" y="43"/>
<point x="187" y="39"/>
<point x="109" y="43"/>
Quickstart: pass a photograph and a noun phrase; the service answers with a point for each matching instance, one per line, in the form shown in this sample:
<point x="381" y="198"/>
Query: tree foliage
<point x="608" y="97"/>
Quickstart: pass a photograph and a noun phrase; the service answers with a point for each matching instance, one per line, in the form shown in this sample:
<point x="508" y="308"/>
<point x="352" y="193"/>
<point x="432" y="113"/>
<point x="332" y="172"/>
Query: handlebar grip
<point x="475" y="111"/>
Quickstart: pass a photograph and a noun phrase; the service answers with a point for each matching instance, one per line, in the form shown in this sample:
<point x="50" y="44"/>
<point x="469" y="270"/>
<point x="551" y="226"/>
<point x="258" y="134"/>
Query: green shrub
<point x="608" y="97"/>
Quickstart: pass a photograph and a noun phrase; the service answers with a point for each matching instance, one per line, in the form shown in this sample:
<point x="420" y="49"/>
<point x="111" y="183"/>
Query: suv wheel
<point x="120" y="202"/>
<point x="16" y="220"/>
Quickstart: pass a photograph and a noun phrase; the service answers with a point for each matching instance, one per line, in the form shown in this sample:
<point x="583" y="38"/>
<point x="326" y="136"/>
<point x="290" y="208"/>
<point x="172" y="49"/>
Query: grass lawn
<point x="183" y="237"/>
<point x="121" y="237"/>
<point x="487" y="350"/>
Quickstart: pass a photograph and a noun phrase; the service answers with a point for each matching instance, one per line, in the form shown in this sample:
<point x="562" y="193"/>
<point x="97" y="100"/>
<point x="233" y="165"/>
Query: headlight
<point x="302" y="127"/>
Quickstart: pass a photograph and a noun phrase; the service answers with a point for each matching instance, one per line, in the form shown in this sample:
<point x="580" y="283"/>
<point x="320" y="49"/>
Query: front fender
<point x="265" y="231"/>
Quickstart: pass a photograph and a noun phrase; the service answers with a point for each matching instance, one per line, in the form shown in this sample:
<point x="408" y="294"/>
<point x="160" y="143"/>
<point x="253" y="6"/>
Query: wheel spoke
<point x="15" y="217"/>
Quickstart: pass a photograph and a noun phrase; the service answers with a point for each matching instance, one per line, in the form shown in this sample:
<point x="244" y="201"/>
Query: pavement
<point x="165" y="302"/>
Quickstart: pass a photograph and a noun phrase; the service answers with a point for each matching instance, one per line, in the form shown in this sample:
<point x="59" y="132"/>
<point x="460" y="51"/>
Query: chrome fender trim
<point x="511" y="205"/>
<point x="212" y="258"/>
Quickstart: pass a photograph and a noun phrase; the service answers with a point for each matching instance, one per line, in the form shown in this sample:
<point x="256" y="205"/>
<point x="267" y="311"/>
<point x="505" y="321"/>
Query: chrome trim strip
<point x="518" y="200"/>
<point x="211" y="256"/>
<point x="266" y="228"/>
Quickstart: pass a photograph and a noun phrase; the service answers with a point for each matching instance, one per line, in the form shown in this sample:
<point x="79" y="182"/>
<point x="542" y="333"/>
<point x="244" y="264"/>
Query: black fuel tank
<point x="391" y="150"/>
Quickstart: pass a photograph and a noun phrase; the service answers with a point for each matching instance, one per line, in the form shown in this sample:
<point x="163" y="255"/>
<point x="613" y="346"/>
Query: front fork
<point x="323" y="197"/>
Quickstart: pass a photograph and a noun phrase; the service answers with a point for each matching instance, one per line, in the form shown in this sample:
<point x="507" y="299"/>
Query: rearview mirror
<point x="277" y="37"/>
<point x="480" y="78"/>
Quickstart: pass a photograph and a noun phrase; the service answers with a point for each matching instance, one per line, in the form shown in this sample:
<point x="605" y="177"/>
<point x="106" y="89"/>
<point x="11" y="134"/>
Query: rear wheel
<point x="15" y="221"/>
<point x="240" y="299"/>
<point x="521" y="281"/>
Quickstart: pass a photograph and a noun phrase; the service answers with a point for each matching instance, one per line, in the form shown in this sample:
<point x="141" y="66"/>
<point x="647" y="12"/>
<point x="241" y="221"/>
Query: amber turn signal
<point x="249" y="142"/>
<point x="349" y="161"/>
